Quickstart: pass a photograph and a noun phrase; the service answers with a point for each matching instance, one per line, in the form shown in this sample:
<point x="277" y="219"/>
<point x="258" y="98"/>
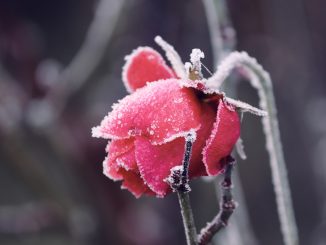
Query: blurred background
<point x="60" y="72"/>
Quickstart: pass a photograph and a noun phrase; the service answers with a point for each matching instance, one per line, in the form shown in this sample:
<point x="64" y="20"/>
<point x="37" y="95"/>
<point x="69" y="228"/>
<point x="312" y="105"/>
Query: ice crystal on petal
<point x="143" y="109"/>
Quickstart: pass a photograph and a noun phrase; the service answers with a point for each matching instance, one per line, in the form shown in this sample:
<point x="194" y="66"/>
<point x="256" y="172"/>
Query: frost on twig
<point x="193" y="69"/>
<point x="240" y="149"/>
<point x="178" y="178"/>
<point x="173" y="57"/>
<point x="179" y="182"/>
<point x="261" y="81"/>
<point x="244" y="107"/>
<point x="227" y="206"/>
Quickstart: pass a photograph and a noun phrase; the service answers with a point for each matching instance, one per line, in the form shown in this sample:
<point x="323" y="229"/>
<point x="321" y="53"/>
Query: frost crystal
<point x="195" y="57"/>
<point x="191" y="136"/>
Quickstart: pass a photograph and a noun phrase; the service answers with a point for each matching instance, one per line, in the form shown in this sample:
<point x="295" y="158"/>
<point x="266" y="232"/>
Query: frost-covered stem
<point x="261" y="80"/>
<point x="172" y="56"/>
<point x="183" y="189"/>
<point x="227" y="206"/>
<point x="214" y="29"/>
<point x="187" y="217"/>
<point x="178" y="180"/>
<point x="221" y="31"/>
<point x="223" y="41"/>
<point x="186" y="158"/>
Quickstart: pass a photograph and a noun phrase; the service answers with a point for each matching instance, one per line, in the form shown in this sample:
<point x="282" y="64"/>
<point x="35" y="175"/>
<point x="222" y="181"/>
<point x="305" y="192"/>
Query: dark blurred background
<point x="60" y="71"/>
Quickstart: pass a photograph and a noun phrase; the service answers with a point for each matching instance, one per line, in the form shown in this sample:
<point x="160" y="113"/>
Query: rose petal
<point x="120" y="155"/>
<point x="226" y="131"/>
<point x="116" y="148"/>
<point x="155" y="161"/>
<point x="111" y="169"/>
<point x="161" y="111"/>
<point x="124" y="167"/>
<point x="144" y="65"/>
<point x="127" y="161"/>
<point x="134" y="183"/>
<point x="208" y="115"/>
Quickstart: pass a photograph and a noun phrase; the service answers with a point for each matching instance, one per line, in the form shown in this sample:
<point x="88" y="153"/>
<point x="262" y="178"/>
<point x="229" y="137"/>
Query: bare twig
<point x="227" y="206"/>
<point x="261" y="81"/>
<point x="223" y="41"/>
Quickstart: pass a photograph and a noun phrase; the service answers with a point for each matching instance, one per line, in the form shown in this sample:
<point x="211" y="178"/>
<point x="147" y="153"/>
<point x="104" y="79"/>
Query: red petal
<point x="155" y="161"/>
<point x="124" y="168"/>
<point x="127" y="161"/>
<point x="111" y="169"/>
<point x="197" y="167"/>
<point x="160" y="111"/>
<point x="144" y="65"/>
<point x="120" y="154"/>
<point x="134" y="183"/>
<point x="116" y="148"/>
<point x="225" y="133"/>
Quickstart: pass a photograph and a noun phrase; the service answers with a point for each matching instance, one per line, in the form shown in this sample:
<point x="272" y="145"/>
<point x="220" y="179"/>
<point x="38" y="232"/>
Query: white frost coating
<point x="209" y="141"/>
<point x="121" y="164"/>
<point x="172" y="56"/>
<point x="177" y="135"/>
<point x="97" y="133"/>
<point x="235" y="59"/>
<point x="240" y="149"/>
<point x="195" y="57"/>
<point x="244" y="107"/>
<point x="188" y="66"/>
<point x="106" y="169"/>
<point x="173" y="170"/>
<point x="191" y="136"/>
<point x="261" y="80"/>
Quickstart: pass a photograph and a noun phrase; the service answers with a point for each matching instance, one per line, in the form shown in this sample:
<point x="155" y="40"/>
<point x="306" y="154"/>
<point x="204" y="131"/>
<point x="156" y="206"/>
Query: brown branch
<point x="227" y="206"/>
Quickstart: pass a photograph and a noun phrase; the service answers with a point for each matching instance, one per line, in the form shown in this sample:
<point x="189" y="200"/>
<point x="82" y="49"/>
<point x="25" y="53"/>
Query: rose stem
<point x="183" y="196"/>
<point x="261" y="81"/>
<point x="227" y="206"/>
<point x="223" y="41"/>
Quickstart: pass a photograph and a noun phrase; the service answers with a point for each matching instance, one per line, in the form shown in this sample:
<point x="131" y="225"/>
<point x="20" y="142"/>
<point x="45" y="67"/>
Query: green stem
<point x="187" y="217"/>
<point x="262" y="82"/>
<point x="220" y="25"/>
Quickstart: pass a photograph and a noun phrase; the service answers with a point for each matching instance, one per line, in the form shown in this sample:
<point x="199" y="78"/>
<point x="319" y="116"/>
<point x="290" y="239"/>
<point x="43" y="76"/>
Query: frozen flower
<point x="147" y="128"/>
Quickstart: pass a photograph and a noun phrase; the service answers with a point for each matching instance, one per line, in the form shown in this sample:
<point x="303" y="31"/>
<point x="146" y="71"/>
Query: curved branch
<point x="261" y="81"/>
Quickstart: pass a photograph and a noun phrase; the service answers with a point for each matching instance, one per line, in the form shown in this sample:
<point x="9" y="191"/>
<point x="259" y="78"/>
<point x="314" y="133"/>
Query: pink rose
<point x="147" y="128"/>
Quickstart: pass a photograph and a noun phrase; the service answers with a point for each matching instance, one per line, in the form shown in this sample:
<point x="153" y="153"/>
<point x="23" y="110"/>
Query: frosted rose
<point x="147" y="128"/>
